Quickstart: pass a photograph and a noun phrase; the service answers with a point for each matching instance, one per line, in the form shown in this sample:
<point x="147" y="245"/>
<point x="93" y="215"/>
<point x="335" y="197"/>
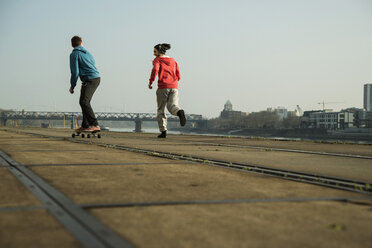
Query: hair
<point x="76" y="41"/>
<point x="162" y="48"/>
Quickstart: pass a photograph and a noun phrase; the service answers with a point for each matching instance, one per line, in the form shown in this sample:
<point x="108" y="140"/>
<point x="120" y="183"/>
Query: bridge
<point x="138" y="118"/>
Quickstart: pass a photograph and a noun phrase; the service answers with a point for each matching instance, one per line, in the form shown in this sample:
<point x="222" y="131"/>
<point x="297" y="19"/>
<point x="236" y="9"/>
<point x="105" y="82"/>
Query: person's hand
<point x="150" y="87"/>
<point x="71" y="91"/>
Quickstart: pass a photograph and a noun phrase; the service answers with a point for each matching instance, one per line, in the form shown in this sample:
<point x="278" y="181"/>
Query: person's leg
<point x="173" y="107"/>
<point x="92" y="89"/>
<point x="172" y="103"/>
<point x="161" y="97"/>
<point x="82" y="102"/>
<point x="87" y="90"/>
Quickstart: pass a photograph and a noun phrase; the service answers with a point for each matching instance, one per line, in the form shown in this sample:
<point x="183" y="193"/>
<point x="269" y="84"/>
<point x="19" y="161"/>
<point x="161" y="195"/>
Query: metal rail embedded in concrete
<point x="316" y="179"/>
<point x="86" y="229"/>
<point x="227" y="201"/>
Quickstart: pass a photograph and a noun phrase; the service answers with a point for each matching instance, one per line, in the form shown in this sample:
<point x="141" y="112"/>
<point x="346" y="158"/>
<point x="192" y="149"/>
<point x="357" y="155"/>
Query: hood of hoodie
<point x="165" y="60"/>
<point x="80" y="49"/>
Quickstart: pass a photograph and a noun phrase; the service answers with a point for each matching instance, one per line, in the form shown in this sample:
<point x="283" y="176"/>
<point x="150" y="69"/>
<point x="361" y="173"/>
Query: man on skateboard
<point x="82" y="65"/>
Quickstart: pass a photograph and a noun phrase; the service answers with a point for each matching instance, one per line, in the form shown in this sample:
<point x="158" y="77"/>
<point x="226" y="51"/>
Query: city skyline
<point x="110" y="109"/>
<point x="258" y="55"/>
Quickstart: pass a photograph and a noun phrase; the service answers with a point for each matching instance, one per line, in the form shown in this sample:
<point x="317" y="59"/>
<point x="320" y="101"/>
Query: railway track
<point x="316" y="179"/>
<point x="287" y="150"/>
<point x="268" y="148"/>
<point x="323" y="180"/>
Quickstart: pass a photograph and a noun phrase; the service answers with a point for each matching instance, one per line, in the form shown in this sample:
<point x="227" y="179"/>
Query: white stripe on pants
<point x="169" y="98"/>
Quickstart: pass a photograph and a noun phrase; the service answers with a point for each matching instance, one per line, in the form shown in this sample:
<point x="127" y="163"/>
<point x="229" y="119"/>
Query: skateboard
<point x="90" y="134"/>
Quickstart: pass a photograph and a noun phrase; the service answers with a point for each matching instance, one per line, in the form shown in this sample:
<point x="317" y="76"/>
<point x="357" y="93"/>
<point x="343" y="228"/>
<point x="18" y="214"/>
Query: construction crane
<point x="324" y="103"/>
<point x="299" y="111"/>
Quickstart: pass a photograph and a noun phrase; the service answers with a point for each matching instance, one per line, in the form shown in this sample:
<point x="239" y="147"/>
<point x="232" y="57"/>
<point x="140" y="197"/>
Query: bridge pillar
<point x="138" y="126"/>
<point x="2" y="121"/>
<point x="72" y="121"/>
<point x="73" y="124"/>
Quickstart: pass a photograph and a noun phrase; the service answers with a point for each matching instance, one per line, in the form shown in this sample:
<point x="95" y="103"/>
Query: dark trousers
<point x="88" y="88"/>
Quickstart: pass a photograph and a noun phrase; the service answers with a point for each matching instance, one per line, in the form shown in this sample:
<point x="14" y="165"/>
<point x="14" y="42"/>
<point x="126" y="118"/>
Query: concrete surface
<point x="311" y="224"/>
<point x="352" y="168"/>
<point x="89" y="174"/>
<point x="33" y="229"/>
<point x="13" y="193"/>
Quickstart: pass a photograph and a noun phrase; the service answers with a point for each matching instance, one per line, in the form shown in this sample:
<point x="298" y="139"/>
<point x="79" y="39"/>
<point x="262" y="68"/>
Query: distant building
<point x="281" y="112"/>
<point x="368" y="119"/>
<point x="228" y="106"/>
<point x="229" y="113"/>
<point x="305" y="121"/>
<point x="328" y="120"/>
<point x="345" y="120"/>
<point x="367" y="97"/>
<point x="362" y="118"/>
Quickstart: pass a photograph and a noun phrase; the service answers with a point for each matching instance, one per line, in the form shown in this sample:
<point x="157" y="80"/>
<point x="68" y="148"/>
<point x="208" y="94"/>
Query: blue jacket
<point x="82" y="64"/>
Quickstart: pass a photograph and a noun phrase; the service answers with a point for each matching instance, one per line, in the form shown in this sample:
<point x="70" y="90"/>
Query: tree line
<point x="262" y="119"/>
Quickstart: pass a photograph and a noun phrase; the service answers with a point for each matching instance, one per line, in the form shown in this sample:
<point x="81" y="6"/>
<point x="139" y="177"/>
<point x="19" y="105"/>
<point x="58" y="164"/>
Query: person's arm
<point x="154" y="72"/>
<point x="74" y="67"/>
<point x="178" y="72"/>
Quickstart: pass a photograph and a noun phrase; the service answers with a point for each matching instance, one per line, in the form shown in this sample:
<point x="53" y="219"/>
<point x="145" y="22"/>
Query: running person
<point x="168" y="73"/>
<point x="82" y="64"/>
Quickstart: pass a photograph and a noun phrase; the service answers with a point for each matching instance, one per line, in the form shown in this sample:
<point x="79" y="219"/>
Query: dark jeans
<point x="88" y="88"/>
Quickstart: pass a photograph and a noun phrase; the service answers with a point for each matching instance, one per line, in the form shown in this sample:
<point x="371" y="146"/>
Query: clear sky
<point x="258" y="54"/>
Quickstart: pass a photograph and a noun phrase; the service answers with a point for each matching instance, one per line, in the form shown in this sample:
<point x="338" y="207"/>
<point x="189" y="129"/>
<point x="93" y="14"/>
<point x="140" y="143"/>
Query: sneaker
<point x="163" y="134"/>
<point x="96" y="128"/>
<point x="92" y="128"/>
<point x="181" y="115"/>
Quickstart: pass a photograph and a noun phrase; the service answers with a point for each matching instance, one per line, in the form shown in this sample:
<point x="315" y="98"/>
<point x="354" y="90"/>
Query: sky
<point x="257" y="54"/>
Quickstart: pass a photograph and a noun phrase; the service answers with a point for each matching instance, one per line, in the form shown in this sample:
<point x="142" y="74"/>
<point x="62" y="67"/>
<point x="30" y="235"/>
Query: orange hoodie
<point x="168" y="73"/>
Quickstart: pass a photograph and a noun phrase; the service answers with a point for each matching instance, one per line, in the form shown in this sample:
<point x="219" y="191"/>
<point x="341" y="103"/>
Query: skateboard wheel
<point x="82" y="135"/>
<point x="98" y="136"/>
<point x="73" y="135"/>
<point x="88" y="136"/>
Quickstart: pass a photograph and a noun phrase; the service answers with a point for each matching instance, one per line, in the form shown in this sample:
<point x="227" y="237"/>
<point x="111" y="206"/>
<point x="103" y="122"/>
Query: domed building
<point x="229" y="113"/>
<point x="228" y="106"/>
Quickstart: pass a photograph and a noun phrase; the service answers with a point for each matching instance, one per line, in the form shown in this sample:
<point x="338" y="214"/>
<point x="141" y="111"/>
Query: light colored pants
<point x="169" y="98"/>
